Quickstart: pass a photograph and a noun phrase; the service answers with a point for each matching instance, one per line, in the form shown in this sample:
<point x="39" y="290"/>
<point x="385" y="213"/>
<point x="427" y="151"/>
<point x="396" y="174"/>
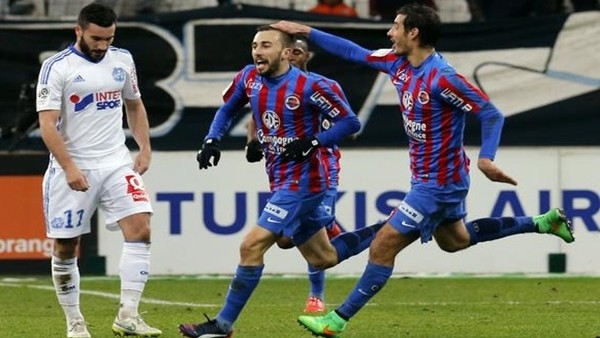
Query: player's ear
<point x="414" y="33"/>
<point x="78" y="31"/>
<point x="311" y="55"/>
<point x="286" y="53"/>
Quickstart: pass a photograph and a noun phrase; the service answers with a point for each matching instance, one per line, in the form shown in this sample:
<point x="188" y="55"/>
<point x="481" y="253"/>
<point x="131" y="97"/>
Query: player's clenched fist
<point x="300" y="149"/>
<point x="210" y="148"/>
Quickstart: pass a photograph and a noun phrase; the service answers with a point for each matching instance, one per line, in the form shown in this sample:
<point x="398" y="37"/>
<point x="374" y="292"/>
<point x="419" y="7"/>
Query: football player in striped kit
<point x="434" y="100"/>
<point x="287" y="106"/>
<point x="299" y="57"/>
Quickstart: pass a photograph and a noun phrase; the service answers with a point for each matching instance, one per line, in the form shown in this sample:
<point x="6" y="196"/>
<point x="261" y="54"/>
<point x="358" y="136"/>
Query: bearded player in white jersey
<point x="80" y="96"/>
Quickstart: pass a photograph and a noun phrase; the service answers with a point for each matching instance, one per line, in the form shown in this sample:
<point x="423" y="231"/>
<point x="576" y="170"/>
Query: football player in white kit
<point x="80" y="96"/>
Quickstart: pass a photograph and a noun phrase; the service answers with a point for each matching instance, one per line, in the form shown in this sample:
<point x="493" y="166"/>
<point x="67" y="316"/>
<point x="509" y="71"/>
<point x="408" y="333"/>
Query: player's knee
<point x="250" y="251"/>
<point x="136" y="228"/>
<point x="64" y="248"/>
<point x="139" y="233"/>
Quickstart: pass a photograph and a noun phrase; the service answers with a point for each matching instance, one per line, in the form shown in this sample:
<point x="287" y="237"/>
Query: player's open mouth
<point x="260" y="64"/>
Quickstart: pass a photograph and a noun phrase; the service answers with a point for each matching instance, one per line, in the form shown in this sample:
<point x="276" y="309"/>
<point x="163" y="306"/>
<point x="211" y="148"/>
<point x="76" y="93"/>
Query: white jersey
<point x="89" y="95"/>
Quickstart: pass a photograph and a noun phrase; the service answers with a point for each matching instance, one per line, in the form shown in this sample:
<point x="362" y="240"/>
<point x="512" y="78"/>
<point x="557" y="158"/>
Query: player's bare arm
<point x="137" y="119"/>
<point x="55" y="143"/>
<point x="493" y="172"/>
<point x="292" y="27"/>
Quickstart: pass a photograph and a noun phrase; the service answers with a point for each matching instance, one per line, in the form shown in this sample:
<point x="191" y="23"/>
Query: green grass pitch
<point x="508" y="306"/>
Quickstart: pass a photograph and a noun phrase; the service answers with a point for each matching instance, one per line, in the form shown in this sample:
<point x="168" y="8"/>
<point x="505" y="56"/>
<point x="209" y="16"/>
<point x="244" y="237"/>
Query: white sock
<point x="65" y="276"/>
<point x="133" y="270"/>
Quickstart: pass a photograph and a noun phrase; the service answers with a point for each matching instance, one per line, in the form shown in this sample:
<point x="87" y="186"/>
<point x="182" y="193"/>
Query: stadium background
<point x="542" y="73"/>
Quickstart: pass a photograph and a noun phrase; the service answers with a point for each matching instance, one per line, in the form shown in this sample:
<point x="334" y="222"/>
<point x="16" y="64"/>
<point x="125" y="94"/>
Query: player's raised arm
<point x="338" y="46"/>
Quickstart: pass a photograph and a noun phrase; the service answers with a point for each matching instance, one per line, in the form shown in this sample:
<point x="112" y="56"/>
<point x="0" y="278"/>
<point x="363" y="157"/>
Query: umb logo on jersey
<point x="136" y="189"/>
<point x="292" y="102"/>
<point x="455" y="100"/>
<point x="270" y="119"/>
<point x="323" y="103"/>
<point x="104" y="100"/>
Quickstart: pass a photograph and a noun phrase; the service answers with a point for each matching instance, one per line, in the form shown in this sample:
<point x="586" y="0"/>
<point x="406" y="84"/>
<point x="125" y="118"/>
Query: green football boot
<point x="555" y="222"/>
<point x="330" y="325"/>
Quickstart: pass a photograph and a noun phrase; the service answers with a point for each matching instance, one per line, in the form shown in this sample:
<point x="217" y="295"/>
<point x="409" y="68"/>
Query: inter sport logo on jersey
<point x="104" y="100"/>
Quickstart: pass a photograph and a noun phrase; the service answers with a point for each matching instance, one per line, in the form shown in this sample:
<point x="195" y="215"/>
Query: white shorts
<point x="118" y="191"/>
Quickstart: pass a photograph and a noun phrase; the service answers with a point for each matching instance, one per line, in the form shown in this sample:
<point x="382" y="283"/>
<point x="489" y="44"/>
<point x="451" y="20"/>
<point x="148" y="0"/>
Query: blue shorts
<point x="295" y="214"/>
<point x="329" y="202"/>
<point x="427" y="205"/>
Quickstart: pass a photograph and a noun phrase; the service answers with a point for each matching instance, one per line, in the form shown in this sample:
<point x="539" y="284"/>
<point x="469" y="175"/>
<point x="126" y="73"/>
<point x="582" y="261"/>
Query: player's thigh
<point x="124" y="194"/>
<point x="68" y="212"/>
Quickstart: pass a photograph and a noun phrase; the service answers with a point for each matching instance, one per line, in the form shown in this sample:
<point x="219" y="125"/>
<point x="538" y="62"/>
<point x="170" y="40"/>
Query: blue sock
<point x="317" y="282"/>
<point x="371" y="281"/>
<point x="348" y="244"/>
<point x="488" y="229"/>
<point x="241" y="287"/>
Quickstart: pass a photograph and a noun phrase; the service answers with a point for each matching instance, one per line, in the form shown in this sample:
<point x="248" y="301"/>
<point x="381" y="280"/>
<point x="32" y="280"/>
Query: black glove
<point x="254" y="151"/>
<point x="300" y="149"/>
<point x="210" y="148"/>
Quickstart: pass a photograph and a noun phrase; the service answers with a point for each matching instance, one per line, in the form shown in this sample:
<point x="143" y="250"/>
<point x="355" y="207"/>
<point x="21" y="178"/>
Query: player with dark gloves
<point x="300" y="149"/>
<point x="254" y="151"/>
<point x="210" y="148"/>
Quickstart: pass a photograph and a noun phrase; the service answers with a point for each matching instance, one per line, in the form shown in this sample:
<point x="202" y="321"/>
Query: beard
<point x="96" y="54"/>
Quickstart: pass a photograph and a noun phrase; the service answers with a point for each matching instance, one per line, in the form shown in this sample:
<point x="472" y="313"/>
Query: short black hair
<point x="286" y="39"/>
<point x="423" y="18"/>
<point x="98" y="14"/>
<point x="300" y="37"/>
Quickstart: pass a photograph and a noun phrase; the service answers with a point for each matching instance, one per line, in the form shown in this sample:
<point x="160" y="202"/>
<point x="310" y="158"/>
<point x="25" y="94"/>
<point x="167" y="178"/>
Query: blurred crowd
<point x="449" y="10"/>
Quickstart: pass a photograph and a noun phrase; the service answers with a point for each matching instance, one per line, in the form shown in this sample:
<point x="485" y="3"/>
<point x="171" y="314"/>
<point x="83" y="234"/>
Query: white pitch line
<point x="169" y="303"/>
<point x="113" y="296"/>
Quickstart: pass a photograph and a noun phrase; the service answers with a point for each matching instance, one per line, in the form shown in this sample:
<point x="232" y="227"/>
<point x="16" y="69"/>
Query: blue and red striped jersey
<point x="434" y="101"/>
<point x="286" y="108"/>
<point x="331" y="155"/>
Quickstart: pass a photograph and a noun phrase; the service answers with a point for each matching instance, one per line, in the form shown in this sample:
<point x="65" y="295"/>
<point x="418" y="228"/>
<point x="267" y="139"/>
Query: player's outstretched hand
<point x="254" y="151"/>
<point x="210" y="148"/>
<point x="300" y="149"/>
<point x="493" y="173"/>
